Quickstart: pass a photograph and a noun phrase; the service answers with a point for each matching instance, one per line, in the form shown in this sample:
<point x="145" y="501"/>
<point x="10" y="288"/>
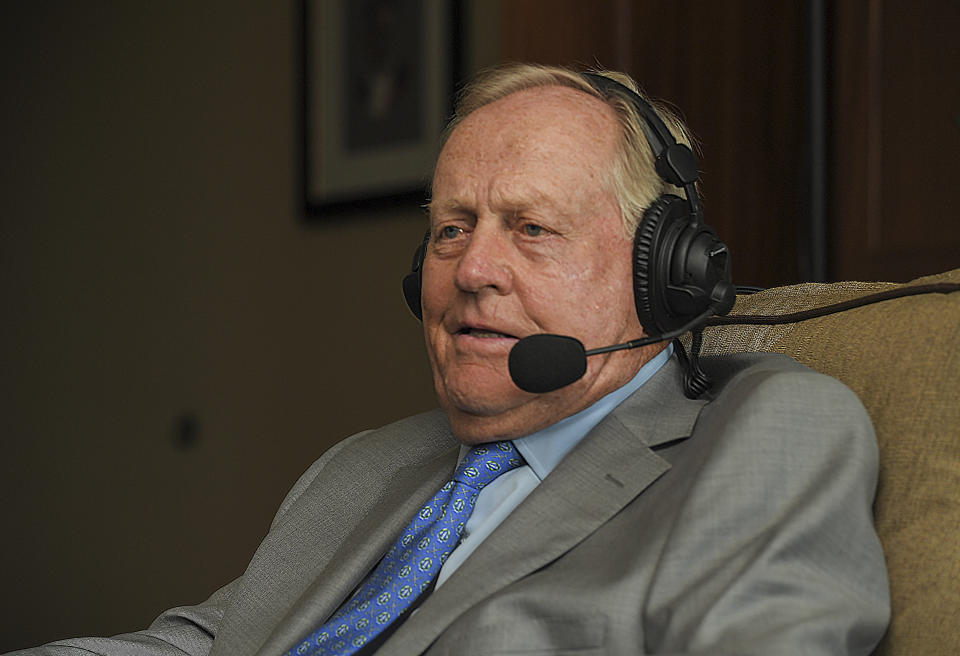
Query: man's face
<point x="526" y="238"/>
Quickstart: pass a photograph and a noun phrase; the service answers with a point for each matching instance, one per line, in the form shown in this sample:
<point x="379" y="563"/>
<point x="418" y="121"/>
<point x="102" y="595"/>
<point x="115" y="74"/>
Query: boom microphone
<point x="546" y="362"/>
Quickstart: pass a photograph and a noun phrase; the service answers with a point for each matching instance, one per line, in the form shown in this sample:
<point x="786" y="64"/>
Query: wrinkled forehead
<point x="542" y="126"/>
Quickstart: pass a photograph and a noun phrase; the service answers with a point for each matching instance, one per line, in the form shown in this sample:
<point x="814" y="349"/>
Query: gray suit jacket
<point x="741" y="525"/>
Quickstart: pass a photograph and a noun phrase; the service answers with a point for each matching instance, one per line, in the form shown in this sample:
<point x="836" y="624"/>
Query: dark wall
<point x="895" y="138"/>
<point x="176" y="346"/>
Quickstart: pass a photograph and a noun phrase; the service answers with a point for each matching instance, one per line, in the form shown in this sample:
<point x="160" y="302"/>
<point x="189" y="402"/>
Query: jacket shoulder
<point x="418" y="437"/>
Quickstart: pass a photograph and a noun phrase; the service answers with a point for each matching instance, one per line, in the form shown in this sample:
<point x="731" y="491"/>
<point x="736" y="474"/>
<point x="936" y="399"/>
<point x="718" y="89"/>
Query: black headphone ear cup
<point x="680" y="267"/>
<point x="413" y="281"/>
<point x="649" y="276"/>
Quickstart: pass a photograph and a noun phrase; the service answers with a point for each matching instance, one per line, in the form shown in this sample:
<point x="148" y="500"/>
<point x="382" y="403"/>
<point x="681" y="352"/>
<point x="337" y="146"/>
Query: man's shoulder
<point x="418" y="437"/>
<point x="769" y="393"/>
<point x="771" y="375"/>
<point x="659" y="412"/>
<point x="388" y="448"/>
<point x="733" y="367"/>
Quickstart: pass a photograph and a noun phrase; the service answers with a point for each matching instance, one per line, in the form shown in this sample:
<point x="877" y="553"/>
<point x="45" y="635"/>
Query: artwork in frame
<point x="377" y="82"/>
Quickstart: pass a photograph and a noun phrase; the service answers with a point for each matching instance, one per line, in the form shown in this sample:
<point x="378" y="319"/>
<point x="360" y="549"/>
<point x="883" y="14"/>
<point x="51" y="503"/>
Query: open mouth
<point x="483" y="334"/>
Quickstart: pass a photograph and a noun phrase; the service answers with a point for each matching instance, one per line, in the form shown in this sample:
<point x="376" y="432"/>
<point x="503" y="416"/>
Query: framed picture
<point x="377" y="87"/>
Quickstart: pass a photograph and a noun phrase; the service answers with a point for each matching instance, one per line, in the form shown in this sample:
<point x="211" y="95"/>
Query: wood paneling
<point x="567" y="32"/>
<point x="895" y="139"/>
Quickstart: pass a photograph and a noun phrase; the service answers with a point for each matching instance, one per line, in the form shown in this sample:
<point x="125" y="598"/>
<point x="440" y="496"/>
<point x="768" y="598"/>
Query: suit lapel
<point x="407" y="490"/>
<point x="605" y="472"/>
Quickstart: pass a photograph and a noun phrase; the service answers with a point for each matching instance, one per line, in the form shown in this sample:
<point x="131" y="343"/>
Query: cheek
<point x="434" y="299"/>
<point x="603" y="283"/>
<point x="602" y="295"/>
<point x="436" y="288"/>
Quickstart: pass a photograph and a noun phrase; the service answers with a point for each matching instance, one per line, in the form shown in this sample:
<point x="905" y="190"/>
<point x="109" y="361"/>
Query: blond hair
<point x="631" y="176"/>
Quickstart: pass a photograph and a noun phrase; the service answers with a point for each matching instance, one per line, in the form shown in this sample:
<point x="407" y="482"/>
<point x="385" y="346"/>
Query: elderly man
<point x="611" y="515"/>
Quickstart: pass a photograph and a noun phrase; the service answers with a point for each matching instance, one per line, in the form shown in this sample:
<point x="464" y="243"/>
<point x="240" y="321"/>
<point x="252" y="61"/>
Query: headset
<point x="681" y="269"/>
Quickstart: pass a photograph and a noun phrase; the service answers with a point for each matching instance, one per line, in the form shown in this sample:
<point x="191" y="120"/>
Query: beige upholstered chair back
<point x="902" y="357"/>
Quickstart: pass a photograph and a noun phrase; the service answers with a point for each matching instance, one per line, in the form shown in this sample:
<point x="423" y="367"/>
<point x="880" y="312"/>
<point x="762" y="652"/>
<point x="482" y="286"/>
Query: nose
<point x="484" y="264"/>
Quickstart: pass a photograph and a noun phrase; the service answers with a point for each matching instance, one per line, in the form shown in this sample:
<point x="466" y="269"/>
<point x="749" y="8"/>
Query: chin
<point x="482" y="391"/>
<point x="473" y="429"/>
<point x="483" y="413"/>
<point x="518" y="415"/>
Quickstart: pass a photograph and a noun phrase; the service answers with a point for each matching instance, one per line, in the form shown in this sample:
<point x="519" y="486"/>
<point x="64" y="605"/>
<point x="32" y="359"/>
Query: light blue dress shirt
<point x="543" y="451"/>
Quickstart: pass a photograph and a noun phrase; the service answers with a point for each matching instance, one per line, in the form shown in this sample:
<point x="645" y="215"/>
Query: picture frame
<point x="378" y="77"/>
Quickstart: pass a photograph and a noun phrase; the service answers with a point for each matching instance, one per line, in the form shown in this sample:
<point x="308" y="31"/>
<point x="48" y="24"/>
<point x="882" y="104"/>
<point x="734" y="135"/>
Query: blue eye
<point x="532" y="230"/>
<point x="450" y="232"/>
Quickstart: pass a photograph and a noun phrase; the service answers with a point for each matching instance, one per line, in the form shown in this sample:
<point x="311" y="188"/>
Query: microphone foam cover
<point x="543" y="363"/>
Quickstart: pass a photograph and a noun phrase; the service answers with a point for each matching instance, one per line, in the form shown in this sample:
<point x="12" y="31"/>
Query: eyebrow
<point x="503" y="205"/>
<point x="450" y="205"/>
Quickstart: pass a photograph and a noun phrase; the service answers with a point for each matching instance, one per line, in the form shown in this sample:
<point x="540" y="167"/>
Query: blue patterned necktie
<point x="414" y="560"/>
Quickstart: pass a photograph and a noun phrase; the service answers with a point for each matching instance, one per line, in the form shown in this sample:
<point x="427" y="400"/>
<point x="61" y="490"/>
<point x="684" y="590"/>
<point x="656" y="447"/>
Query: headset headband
<point x="674" y="162"/>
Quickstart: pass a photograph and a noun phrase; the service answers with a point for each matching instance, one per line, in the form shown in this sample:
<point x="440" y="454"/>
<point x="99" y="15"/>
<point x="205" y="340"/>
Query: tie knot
<point x="485" y="462"/>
